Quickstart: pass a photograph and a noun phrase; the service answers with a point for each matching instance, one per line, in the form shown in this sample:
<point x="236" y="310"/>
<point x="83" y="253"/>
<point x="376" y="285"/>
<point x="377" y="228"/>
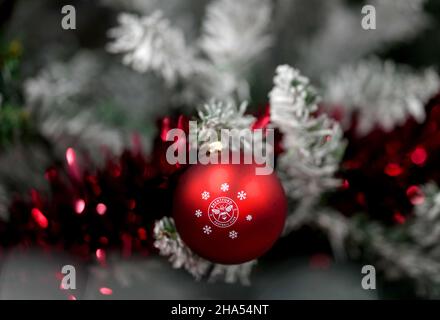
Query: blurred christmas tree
<point x="82" y="161"/>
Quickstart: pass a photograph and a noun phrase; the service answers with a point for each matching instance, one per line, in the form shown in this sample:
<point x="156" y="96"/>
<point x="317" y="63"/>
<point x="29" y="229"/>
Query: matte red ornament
<point x="227" y="214"/>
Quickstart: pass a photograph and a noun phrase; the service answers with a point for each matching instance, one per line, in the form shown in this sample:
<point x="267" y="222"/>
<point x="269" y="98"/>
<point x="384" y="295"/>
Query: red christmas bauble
<point x="227" y="214"/>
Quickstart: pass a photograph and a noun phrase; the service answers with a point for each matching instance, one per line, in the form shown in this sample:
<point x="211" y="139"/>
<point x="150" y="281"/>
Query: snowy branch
<point x="341" y="39"/>
<point x="313" y="144"/>
<point x="382" y="93"/>
<point x="53" y="98"/>
<point x="171" y="245"/>
<point x="235" y="33"/>
<point x="223" y="115"/>
<point x="409" y="250"/>
<point x="151" y="44"/>
<point x="425" y="229"/>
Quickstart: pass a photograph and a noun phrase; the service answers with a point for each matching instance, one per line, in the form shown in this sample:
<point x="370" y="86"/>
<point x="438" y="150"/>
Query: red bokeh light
<point x="419" y="156"/>
<point x="393" y="170"/>
<point x="39" y="218"/>
<point x="70" y="156"/>
<point x="399" y="218"/>
<point x="101" y="208"/>
<point x="106" y="291"/>
<point x="80" y="205"/>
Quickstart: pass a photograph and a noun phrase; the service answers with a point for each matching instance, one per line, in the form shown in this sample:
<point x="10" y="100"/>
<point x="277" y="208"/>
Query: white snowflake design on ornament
<point x="207" y="230"/>
<point x="233" y="234"/>
<point x="198" y="213"/>
<point x="241" y="195"/>
<point x="249" y="217"/>
<point x="205" y="195"/>
<point x="224" y="187"/>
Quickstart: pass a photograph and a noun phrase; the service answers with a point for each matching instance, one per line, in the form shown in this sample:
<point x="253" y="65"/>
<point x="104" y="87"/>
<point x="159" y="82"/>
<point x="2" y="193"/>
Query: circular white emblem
<point x="223" y="212"/>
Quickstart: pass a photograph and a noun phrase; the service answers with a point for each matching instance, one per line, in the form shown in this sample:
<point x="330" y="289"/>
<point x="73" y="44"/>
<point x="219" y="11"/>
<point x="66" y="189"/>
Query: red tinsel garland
<point x="383" y="171"/>
<point x="90" y="211"/>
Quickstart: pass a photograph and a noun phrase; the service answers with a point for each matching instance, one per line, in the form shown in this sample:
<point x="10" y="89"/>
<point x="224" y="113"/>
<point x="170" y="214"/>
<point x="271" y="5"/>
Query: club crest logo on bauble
<point x="223" y="212"/>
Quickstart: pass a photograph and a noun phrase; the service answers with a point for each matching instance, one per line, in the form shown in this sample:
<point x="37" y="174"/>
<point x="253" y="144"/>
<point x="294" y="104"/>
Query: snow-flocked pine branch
<point x="313" y="143"/>
<point x="382" y="93"/>
<point x="149" y="43"/>
<point x="234" y="34"/>
<point x="340" y="38"/>
<point x="217" y="115"/>
<point x="171" y="245"/>
<point x="224" y="115"/>
<point x="53" y="98"/>
<point x="409" y="250"/>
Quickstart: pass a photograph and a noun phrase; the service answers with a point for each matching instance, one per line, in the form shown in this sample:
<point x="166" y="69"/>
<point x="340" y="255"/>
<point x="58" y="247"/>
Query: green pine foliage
<point x="15" y="124"/>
